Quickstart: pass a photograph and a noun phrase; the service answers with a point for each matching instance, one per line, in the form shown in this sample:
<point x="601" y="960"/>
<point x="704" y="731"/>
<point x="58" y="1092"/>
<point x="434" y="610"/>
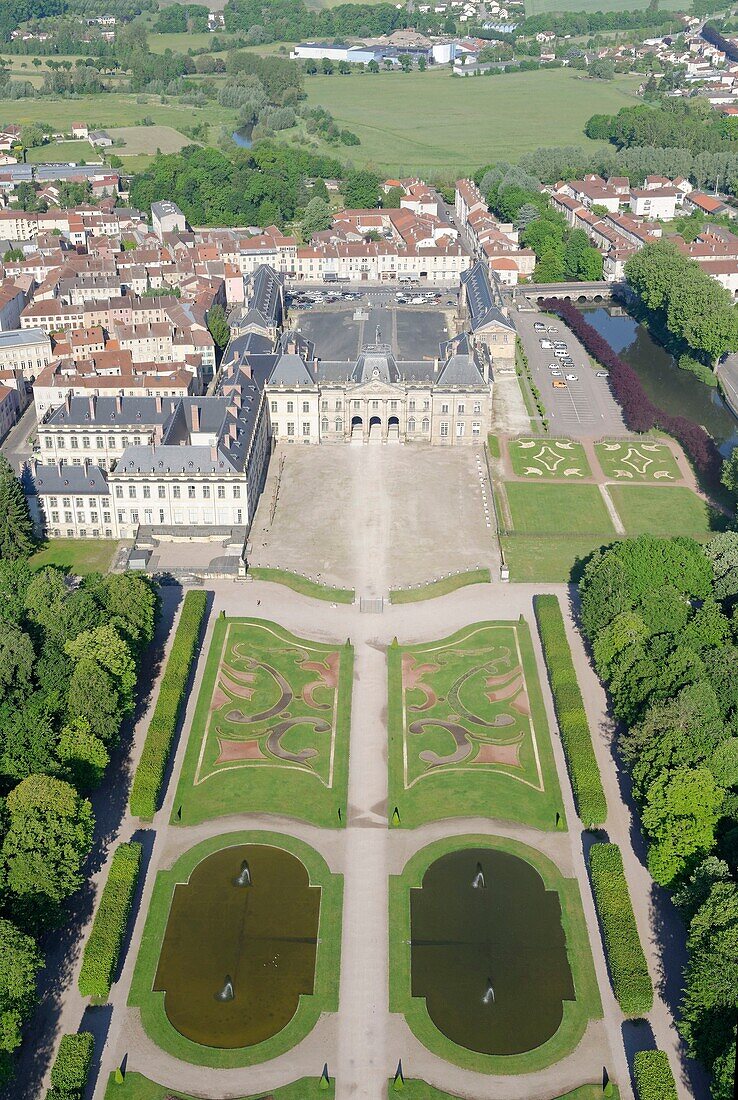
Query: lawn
<point x="638" y="461"/>
<point x="554" y="509"/>
<point x="661" y="511"/>
<point x="452" y="125"/>
<point x="547" y="459"/>
<point x="577" y="1013"/>
<point x="327" y="963"/>
<point x="467" y="730"/>
<point x="138" y="1087"/>
<point x="78" y="556"/>
<point x="419" y="1090"/>
<point x="271" y="728"/>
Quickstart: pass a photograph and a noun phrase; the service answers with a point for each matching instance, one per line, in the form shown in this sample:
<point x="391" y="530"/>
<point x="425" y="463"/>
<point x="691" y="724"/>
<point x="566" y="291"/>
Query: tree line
<point x="69" y="661"/>
<point x="660" y="615"/>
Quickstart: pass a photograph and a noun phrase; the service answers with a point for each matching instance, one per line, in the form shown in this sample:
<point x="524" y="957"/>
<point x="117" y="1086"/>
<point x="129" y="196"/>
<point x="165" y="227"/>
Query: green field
<point x="455" y="124"/>
<point x="548" y="459"/>
<point x="467" y="729"/>
<point x="638" y="461"/>
<point x="271" y="728"/>
<point x="138" y="1087"/>
<point x="660" y="511"/>
<point x="78" y="556"/>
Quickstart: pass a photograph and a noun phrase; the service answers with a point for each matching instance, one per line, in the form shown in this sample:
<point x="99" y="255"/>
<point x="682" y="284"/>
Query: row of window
<point x="220" y="492"/>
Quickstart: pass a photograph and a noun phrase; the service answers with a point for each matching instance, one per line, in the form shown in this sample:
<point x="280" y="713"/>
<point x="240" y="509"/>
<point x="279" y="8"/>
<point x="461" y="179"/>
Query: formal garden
<point x="249" y="985"/>
<point x="271" y="727"/>
<point x="465" y="899"/>
<point x="468" y="732"/>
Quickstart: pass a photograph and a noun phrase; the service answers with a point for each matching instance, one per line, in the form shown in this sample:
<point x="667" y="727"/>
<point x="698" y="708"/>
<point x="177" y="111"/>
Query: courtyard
<point x="379" y="516"/>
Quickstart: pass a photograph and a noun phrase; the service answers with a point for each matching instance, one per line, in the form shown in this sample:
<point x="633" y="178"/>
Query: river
<point x="676" y="391"/>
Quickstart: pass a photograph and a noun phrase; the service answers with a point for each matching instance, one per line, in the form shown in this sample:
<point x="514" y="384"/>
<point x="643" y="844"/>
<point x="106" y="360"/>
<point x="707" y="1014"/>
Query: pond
<point x="488" y="951"/>
<point x="239" y="947"/>
<point x="676" y="391"/>
<point x="242" y="136"/>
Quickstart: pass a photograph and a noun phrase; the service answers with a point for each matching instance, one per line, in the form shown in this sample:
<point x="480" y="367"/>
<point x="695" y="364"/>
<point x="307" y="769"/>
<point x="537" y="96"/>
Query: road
<point x="583" y="409"/>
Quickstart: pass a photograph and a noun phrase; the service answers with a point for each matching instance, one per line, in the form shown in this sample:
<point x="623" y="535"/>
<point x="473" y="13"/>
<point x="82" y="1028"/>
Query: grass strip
<point x="629" y="972"/>
<point x="653" y="1077"/>
<point x="102" y="949"/>
<point x="440" y="588"/>
<point x="575" y="733"/>
<point x="149" y="777"/>
<point x="303" y="585"/>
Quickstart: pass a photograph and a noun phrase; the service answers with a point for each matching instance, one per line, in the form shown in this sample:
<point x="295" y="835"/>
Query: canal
<point x="676" y="391"/>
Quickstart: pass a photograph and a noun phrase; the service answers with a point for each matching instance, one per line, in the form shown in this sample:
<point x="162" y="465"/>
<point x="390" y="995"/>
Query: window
<point x="411" y="424"/>
<point x="176" y="492"/>
<point x="273" y="406"/>
<point x="190" y="492"/>
<point x="119" y="492"/>
<point x="236" y="492"/>
<point x="132" y="492"/>
<point x="221" y="492"/>
<point x="444" y="429"/>
<point x="306" y="406"/>
<point x="162" y="492"/>
<point x="306" y="427"/>
<point x="206" y="492"/>
<point x="290" y="427"/>
<point x="290" y="406"/>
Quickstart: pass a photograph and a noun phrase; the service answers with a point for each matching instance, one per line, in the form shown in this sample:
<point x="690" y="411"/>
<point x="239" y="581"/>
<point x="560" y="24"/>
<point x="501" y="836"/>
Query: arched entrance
<point x="375" y="428"/>
<point x="393" y="430"/>
<point x="357" y="428"/>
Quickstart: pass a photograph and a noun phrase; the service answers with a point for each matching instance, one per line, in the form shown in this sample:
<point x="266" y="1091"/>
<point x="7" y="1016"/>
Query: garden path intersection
<point x="363" y="1041"/>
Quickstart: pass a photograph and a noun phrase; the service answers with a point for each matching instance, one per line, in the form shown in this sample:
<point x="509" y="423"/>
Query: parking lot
<point x="579" y="405"/>
<point x="341" y="325"/>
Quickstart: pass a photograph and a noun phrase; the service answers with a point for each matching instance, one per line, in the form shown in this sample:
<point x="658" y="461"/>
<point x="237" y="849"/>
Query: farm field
<point x="454" y="124"/>
<point x="271" y="728"/>
<point x="467" y="729"/>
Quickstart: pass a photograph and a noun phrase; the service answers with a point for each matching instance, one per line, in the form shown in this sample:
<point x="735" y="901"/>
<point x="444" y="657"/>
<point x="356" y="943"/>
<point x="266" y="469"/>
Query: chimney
<point x="196" y="418"/>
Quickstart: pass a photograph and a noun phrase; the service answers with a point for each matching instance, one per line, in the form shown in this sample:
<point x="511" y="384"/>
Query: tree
<point x="16" y="525"/>
<point x="316" y="218"/>
<point x="20" y="962"/>
<point x="361" y="190"/>
<point x="48" y="840"/>
<point x="681" y="811"/>
<point x="218" y="326"/>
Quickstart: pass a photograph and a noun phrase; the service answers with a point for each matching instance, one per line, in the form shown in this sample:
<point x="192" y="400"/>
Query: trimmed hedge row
<point x="630" y="978"/>
<point x="147" y="781"/>
<point x="653" y="1077"/>
<point x="71" y="1067"/>
<point x="575" y="734"/>
<point x="108" y="928"/>
<point x="639" y="412"/>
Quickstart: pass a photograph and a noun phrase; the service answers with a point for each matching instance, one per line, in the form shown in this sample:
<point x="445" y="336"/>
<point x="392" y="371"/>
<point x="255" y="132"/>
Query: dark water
<point x="242" y="136"/>
<point x="263" y="936"/>
<point x="677" y="391"/>
<point x="509" y="933"/>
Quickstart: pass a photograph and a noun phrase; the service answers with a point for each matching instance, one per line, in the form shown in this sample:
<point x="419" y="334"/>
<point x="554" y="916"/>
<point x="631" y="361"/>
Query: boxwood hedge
<point x="630" y="978"/>
<point x="71" y="1067"/>
<point x="108" y="928"/>
<point x="653" y="1077"/>
<point x="575" y="733"/>
<point x="147" y="781"/>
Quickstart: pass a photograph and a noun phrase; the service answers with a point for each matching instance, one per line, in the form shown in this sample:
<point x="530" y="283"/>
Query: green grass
<point x="138" y="1087"/>
<point x="554" y="509"/>
<point x="440" y="588"/>
<point x="549" y="558"/>
<point x="548" y="459"/>
<point x="661" y="511"/>
<point x="577" y="1013"/>
<point x="79" y="556"/>
<point x="327" y="965"/>
<point x="302" y="585"/>
<point x="419" y="1090"/>
<point x="451" y="124"/>
<point x="232" y="766"/>
<point x="638" y="461"/>
<point x="509" y="772"/>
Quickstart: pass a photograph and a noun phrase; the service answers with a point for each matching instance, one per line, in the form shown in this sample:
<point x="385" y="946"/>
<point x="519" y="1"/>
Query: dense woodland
<point x="661" y="617"/>
<point x="69" y="659"/>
